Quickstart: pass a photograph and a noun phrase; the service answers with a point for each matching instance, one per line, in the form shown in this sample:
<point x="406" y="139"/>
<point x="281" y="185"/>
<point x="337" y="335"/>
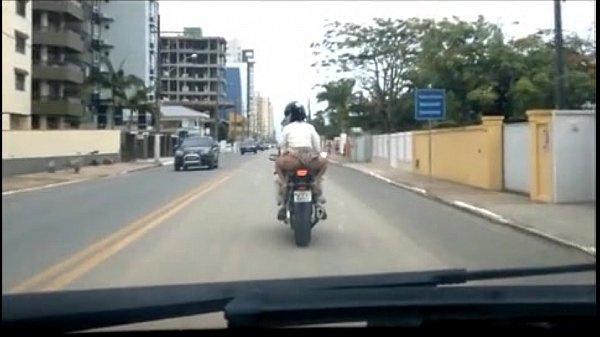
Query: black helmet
<point x="295" y="112"/>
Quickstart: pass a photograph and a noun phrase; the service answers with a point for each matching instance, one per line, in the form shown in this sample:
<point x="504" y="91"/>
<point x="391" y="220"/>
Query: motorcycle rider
<point x="300" y="144"/>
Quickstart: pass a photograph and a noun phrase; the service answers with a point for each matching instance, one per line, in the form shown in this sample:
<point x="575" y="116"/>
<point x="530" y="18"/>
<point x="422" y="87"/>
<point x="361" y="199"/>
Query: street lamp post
<point x="157" y="93"/>
<point x="560" y="67"/>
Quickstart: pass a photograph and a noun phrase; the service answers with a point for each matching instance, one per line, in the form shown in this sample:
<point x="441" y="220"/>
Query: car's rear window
<point x="197" y="141"/>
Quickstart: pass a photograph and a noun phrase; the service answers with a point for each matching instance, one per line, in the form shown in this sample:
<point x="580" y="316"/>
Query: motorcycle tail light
<point x="301" y="172"/>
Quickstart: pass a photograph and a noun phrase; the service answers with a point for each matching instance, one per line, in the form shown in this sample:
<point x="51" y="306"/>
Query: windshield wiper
<point x="76" y="310"/>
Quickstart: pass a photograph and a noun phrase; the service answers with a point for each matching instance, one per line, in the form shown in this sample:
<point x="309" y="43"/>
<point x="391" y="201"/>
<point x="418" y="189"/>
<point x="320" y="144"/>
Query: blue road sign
<point x="430" y="104"/>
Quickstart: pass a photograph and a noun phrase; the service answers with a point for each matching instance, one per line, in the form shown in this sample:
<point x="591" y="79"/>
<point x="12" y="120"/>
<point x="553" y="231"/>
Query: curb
<point x="153" y="165"/>
<point x="481" y="212"/>
<point x="37" y="188"/>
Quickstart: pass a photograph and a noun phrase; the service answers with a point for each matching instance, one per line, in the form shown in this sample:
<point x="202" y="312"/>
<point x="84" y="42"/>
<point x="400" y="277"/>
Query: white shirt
<point x="300" y="134"/>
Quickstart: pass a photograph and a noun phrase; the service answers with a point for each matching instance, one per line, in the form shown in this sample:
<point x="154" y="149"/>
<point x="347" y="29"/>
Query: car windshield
<point x="146" y="143"/>
<point x="197" y="141"/>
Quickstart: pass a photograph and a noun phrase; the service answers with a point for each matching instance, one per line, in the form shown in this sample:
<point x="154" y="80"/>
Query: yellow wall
<point x="540" y="152"/>
<point x="50" y="143"/>
<point x="468" y="155"/>
<point x="14" y="101"/>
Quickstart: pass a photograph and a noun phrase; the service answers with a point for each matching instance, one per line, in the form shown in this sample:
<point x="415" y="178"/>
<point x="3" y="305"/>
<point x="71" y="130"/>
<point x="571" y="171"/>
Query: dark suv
<point x="197" y="151"/>
<point x="249" y="146"/>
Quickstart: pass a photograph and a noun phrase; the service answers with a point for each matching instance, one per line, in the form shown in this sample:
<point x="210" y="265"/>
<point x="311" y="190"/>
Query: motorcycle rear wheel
<point x="301" y="223"/>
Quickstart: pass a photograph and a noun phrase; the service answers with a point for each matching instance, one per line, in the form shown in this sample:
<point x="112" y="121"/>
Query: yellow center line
<point x="61" y="274"/>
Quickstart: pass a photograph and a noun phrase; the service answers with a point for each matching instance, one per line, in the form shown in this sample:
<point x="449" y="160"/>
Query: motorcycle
<point x="303" y="211"/>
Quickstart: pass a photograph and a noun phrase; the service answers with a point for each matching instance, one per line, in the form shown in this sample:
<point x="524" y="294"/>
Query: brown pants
<point x="292" y="160"/>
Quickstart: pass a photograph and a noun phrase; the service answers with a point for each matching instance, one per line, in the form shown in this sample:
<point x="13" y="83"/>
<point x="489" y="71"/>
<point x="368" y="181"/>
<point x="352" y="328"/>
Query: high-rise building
<point x="264" y="117"/>
<point x="133" y="35"/>
<point x="248" y="59"/>
<point x="60" y="33"/>
<point x="193" y="70"/>
<point x="16" y="65"/>
<point x="96" y="27"/>
<point x="234" y="89"/>
<point x="270" y="123"/>
<point x="234" y="51"/>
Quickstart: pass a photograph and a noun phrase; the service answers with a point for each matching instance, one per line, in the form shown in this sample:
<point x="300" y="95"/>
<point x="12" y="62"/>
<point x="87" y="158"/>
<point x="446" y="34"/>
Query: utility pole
<point x="157" y="94"/>
<point x="560" y="67"/>
<point x="158" y="75"/>
<point x="248" y="96"/>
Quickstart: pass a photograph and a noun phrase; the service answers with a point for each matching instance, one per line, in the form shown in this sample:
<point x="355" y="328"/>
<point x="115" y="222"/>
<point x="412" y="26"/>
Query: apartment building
<point x="193" y="71"/>
<point x="16" y="65"/>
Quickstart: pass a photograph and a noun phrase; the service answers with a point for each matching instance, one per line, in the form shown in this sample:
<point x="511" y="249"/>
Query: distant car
<point x="262" y="146"/>
<point x="249" y="146"/>
<point x="197" y="151"/>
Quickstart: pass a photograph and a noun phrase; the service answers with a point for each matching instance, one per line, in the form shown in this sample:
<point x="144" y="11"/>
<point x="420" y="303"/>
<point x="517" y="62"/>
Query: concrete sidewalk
<point x="41" y="180"/>
<point x="568" y="224"/>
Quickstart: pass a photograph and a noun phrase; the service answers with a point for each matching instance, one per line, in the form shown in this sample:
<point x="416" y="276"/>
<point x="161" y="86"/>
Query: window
<point x="20" y="41"/>
<point x="52" y="122"/>
<point x="54" y="90"/>
<point x="21" y="7"/>
<point x="20" y="76"/>
<point x="36" y="54"/>
<point x="35" y="91"/>
<point x="35" y="122"/>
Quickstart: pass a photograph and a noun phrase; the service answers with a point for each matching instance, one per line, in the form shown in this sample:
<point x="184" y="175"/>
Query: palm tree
<point x="117" y="82"/>
<point x="338" y="95"/>
<point x="138" y="102"/>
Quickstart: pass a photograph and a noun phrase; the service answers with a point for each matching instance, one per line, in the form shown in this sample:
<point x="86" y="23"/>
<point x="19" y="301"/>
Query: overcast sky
<point x="280" y="32"/>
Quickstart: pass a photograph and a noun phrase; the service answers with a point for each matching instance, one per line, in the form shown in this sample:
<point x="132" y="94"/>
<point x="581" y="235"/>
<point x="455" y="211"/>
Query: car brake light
<point x="301" y="172"/>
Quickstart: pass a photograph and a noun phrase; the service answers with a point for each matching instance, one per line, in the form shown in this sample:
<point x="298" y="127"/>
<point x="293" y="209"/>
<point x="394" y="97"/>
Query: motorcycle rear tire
<point x="301" y="223"/>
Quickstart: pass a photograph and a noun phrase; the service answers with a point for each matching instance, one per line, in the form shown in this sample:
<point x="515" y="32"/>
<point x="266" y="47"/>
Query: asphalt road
<point x="164" y="227"/>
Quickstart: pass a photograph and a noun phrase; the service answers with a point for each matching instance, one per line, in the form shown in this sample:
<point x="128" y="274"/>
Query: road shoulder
<point x="44" y="180"/>
<point x="507" y="209"/>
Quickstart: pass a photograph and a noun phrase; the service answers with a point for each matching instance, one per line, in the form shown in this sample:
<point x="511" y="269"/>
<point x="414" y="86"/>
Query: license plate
<point x="302" y="196"/>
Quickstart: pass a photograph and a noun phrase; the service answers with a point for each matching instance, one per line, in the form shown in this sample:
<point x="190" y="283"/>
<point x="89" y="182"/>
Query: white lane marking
<point x="37" y="188"/>
<point x="489" y="214"/>
<point x="486" y="213"/>
<point x="395" y="183"/>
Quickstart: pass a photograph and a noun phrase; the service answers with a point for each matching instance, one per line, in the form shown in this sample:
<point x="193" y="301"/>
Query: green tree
<point x="138" y="102"/>
<point x="378" y="55"/>
<point x="338" y="95"/>
<point x="480" y="70"/>
<point x="116" y="82"/>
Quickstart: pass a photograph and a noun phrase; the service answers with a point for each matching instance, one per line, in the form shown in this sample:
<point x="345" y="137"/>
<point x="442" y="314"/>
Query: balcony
<point x="58" y="106"/>
<point x="99" y="17"/>
<point x="60" y="38"/>
<point x="58" y="72"/>
<point x="73" y="8"/>
<point x="99" y="43"/>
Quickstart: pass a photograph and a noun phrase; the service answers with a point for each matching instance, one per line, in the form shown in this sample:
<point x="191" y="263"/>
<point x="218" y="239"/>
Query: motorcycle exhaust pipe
<point x="321" y="214"/>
